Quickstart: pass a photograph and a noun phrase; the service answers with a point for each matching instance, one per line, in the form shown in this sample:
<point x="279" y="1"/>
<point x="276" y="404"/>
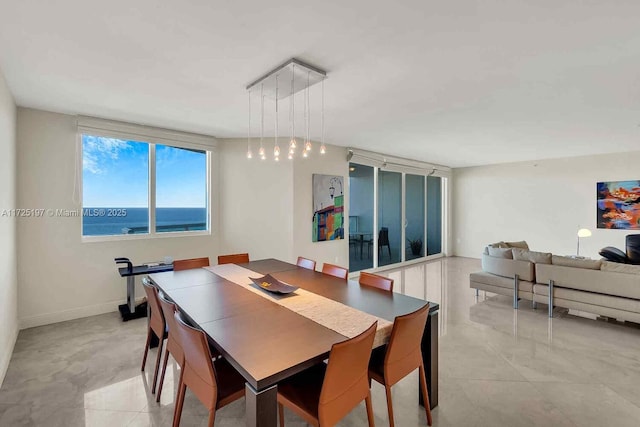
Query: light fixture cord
<point x="249" y="127"/>
<point x="261" y="114"/>
<point x="276" y="140"/>
<point x="292" y="105"/>
<point x="322" y="114"/>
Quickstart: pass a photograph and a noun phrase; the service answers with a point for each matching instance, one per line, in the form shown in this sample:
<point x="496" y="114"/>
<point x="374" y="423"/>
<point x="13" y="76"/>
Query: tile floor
<point x="498" y="367"/>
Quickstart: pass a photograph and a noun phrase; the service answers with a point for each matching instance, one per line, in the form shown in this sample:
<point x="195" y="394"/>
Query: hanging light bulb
<point x="276" y="151"/>
<point x="292" y="111"/>
<point x="290" y="156"/>
<point x="261" y="150"/>
<point x="323" y="149"/>
<point x="249" y="154"/>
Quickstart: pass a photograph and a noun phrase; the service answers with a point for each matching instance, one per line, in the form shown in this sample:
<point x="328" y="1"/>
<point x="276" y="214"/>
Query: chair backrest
<point x="335" y="270"/>
<point x="233" y="259"/>
<point x="383" y="237"/>
<point x="169" y="309"/>
<point x="306" y="263"/>
<point x="157" y="321"/>
<point x="346" y="382"/>
<point x="197" y="356"/>
<point x="186" y="264"/>
<point x="375" y="281"/>
<point x="404" y="352"/>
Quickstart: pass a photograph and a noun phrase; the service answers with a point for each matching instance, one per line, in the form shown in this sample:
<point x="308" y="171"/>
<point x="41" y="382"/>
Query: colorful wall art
<point x="328" y="207"/>
<point x="618" y="205"/>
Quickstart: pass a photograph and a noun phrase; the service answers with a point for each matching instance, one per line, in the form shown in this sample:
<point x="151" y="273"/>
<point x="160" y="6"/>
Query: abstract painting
<point x="328" y="207"/>
<point x="618" y="205"/>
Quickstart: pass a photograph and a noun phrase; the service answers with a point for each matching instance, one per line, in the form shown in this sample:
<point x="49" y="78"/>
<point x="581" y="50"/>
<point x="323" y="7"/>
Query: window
<point x="133" y="187"/>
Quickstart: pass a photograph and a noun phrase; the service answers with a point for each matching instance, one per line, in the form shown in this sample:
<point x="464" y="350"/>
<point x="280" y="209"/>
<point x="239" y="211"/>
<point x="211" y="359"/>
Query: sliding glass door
<point x="394" y="216"/>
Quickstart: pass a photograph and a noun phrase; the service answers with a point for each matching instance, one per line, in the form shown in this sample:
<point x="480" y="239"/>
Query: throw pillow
<point x="616" y="267"/>
<point x="613" y="254"/>
<point x="566" y="261"/>
<point x="500" y="253"/>
<point x="531" y="256"/>
<point x="498" y="245"/>
<point x="522" y="245"/>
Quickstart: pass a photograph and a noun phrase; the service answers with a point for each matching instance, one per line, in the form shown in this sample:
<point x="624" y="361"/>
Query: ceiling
<point x="458" y="83"/>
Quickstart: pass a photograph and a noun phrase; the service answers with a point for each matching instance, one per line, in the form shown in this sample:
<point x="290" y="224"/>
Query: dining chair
<point x="173" y="346"/>
<point x="214" y="382"/>
<point x="325" y="393"/>
<point x="390" y="363"/>
<point x="335" y="270"/>
<point x="376" y="281"/>
<point x="383" y="240"/>
<point x="306" y="263"/>
<point x="233" y="259"/>
<point x="157" y="326"/>
<point x="186" y="264"/>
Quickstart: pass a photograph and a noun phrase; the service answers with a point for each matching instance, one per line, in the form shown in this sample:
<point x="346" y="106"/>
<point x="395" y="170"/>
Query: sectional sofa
<point x="595" y="286"/>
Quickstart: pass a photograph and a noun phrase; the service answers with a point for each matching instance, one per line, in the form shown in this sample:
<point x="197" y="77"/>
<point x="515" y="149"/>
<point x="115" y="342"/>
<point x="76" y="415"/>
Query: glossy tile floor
<point x="498" y="367"/>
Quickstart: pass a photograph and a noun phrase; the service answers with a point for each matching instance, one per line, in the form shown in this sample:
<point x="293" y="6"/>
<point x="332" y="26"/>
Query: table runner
<point x="331" y="314"/>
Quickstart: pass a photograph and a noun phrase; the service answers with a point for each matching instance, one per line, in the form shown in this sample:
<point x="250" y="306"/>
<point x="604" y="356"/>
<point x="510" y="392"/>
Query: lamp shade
<point x="584" y="232"/>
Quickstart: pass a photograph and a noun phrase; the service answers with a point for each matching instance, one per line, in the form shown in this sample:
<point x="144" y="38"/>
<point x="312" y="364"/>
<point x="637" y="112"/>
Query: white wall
<point x="543" y="202"/>
<point x="256" y="201"/>
<point x="8" y="279"/>
<point x="60" y="277"/>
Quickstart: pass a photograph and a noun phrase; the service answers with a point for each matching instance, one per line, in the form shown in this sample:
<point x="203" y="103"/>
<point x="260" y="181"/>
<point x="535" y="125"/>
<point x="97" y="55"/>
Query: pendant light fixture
<point x="293" y="71"/>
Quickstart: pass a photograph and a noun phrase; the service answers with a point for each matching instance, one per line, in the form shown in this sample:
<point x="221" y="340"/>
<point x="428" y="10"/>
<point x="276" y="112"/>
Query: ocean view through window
<point x="136" y="188"/>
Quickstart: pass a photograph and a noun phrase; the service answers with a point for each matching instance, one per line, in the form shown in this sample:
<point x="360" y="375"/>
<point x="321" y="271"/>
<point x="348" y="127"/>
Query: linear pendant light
<point x="292" y="71"/>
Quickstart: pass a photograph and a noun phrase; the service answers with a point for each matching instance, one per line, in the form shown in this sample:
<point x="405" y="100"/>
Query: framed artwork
<point x="328" y="207"/>
<point x="618" y="205"/>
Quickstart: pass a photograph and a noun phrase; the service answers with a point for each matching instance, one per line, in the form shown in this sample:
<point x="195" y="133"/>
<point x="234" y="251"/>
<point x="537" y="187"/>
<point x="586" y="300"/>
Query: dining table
<point x="268" y="338"/>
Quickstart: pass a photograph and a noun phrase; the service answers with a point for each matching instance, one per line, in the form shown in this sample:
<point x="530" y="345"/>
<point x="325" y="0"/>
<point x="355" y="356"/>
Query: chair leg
<point x="367" y="402"/>
<point x="387" y="389"/>
<point x="164" y="370"/>
<point x="281" y="414"/>
<point x="155" y="374"/>
<point x="212" y="417"/>
<point x="177" y="414"/>
<point x="146" y="350"/>
<point x="425" y="393"/>
<point x="389" y="247"/>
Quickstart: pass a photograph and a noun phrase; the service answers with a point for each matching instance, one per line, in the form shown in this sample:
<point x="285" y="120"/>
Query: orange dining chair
<point x="376" y="281"/>
<point x="215" y="383"/>
<point x="334" y="270"/>
<point x="186" y="264"/>
<point x="233" y="259"/>
<point x="306" y="263"/>
<point x="389" y="364"/>
<point x="325" y="393"/>
<point x="157" y="326"/>
<point x="173" y="345"/>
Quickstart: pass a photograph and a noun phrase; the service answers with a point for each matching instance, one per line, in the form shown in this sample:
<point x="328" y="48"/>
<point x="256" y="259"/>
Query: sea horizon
<point x="105" y="221"/>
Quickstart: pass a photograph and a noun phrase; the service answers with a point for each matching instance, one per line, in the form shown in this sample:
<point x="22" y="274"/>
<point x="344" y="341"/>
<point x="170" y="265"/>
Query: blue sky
<point x="115" y="173"/>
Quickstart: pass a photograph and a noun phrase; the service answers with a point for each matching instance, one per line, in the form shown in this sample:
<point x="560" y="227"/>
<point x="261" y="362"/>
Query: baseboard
<point x="71" y="314"/>
<point x="5" y="358"/>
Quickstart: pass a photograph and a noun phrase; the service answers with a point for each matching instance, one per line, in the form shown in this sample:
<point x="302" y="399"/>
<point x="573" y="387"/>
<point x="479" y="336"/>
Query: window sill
<point x="123" y="237"/>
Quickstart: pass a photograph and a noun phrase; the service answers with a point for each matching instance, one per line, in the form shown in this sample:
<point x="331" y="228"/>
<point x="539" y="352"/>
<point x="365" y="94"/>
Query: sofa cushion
<point x="620" y="268"/>
<point x="531" y="256"/>
<point x="500" y="252"/>
<point x="508" y="267"/>
<point x="602" y="282"/>
<point x="498" y="245"/>
<point x="502" y="282"/>
<point x="613" y="254"/>
<point x="521" y="244"/>
<point x="591" y="264"/>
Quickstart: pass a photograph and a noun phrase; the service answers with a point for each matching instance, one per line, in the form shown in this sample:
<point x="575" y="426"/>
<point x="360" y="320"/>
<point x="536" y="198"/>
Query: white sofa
<point x="594" y="286"/>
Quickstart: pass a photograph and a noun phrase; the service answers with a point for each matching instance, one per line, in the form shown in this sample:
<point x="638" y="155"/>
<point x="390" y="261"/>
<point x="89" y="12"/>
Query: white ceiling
<point x="452" y="82"/>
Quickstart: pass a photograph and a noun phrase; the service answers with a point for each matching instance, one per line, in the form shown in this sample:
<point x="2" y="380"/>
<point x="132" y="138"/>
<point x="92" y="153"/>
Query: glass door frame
<point x="404" y="167"/>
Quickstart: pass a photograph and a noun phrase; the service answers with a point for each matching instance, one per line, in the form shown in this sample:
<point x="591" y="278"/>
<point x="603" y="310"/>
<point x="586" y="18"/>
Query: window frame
<point x="153" y="137"/>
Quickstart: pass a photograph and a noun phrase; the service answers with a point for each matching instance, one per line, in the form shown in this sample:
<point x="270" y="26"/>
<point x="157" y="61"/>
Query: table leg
<point x="361" y="245"/>
<point x="131" y="293"/>
<point x="261" y="406"/>
<point x="430" y="358"/>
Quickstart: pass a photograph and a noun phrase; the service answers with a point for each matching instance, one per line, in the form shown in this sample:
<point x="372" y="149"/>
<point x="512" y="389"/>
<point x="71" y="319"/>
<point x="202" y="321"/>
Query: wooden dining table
<point x="267" y="342"/>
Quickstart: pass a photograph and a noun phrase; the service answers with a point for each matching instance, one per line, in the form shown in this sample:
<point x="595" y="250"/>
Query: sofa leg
<point x="477" y="292"/>
<point x="534" y="304"/>
<point x="516" y="291"/>
<point x="550" y="298"/>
